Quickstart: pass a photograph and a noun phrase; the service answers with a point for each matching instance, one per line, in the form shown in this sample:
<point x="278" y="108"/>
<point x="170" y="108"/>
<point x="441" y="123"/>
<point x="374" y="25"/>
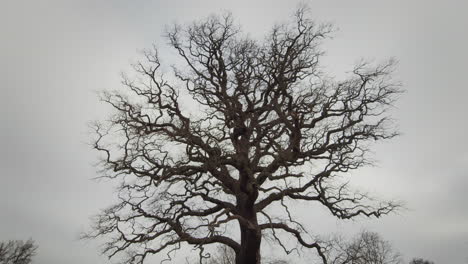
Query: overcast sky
<point x="56" y="54"/>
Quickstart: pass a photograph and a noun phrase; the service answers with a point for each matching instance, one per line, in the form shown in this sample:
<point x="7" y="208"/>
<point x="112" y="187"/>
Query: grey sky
<point x="55" y="54"/>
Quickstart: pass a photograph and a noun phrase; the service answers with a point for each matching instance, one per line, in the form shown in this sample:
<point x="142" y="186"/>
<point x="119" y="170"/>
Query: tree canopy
<point x="215" y="151"/>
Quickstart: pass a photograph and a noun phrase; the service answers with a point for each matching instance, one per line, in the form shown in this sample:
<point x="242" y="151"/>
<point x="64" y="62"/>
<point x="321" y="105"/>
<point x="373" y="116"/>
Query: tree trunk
<point x="250" y="246"/>
<point x="251" y="236"/>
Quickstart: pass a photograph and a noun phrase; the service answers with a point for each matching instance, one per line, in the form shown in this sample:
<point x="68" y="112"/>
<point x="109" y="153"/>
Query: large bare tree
<point x="206" y="150"/>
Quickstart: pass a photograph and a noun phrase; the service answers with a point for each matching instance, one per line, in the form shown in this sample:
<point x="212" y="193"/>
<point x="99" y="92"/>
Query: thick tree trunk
<point x="251" y="236"/>
<point x="250" y="246"/>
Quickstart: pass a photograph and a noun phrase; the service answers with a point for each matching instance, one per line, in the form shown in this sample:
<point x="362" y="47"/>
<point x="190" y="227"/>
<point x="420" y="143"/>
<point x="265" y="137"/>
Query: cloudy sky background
<point x="56" y="54"/>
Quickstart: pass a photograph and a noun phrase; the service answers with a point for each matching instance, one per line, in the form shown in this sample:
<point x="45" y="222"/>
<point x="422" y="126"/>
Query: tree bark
<point x="251" y="235"/>
<point x="250" y="246"/>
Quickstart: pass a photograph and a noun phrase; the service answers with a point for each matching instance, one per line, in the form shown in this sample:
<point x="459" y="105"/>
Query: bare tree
<point x="269" y="128"/>
<point x="420" y="261"/>
<point x="366" y="248"/>
<point x="17" y="252"/>
<point x="225" y="255"/>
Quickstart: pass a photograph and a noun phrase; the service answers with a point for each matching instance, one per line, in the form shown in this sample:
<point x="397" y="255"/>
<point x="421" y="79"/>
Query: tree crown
<point x="271" y="128"/>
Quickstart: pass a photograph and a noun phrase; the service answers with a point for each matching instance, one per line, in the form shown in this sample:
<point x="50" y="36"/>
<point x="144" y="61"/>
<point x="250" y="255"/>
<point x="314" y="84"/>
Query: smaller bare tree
<point x="225" y="255"/>
<point x="367" y="248"/>
<point x="421" y="261"/>
<point x="17" y="251"/>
